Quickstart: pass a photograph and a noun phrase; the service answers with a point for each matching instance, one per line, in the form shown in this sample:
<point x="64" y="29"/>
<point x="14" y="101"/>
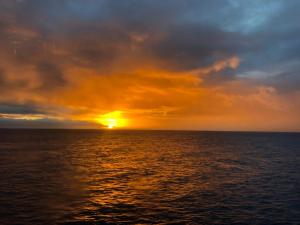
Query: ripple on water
<point x="148" y="177"/>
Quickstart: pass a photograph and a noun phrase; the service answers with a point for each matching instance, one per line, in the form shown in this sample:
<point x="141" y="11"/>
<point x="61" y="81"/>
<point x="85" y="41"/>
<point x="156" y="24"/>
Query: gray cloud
<point x="194" y="32"/>
<point x="285" y="82"/>
<point x="45" y="123"/>
<point x="190" y="46"/>
<point x="8" y="108"/>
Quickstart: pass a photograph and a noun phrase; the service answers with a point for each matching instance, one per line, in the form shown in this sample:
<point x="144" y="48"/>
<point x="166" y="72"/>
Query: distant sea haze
<point x="148" y="177"/>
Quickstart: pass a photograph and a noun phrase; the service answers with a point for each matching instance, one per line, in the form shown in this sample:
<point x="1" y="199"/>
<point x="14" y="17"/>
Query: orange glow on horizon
<point x="112" y="120"/>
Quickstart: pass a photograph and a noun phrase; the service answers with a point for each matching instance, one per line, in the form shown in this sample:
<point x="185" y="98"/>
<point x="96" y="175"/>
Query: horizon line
<point x="128" y="129"/>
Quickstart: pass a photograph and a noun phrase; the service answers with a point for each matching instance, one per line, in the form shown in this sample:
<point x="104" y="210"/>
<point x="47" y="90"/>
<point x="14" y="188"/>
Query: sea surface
<point x="148" y="177"/>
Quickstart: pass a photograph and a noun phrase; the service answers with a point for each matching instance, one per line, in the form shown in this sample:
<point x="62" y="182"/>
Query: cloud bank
<point x="221" y="65"/>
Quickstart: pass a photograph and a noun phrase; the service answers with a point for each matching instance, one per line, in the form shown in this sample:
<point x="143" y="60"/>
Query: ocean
<point x="148" y="177"/>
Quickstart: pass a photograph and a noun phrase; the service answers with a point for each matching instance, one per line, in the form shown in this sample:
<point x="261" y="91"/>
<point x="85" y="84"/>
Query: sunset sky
<point x="150" y="64"/>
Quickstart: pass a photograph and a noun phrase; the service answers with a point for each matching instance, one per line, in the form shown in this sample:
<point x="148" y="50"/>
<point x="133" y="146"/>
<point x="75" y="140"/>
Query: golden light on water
<point x="112" y="120"/>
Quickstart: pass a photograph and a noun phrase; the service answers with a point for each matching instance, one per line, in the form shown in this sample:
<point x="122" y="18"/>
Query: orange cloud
<point x="158" y="99"/>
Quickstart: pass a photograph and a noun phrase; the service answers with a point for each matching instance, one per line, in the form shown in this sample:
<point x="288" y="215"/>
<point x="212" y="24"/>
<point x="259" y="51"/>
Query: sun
<point x="111" y="123"/>
<point x="112" y="120"/>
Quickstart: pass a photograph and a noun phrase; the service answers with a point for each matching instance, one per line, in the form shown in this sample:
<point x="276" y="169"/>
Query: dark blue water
<point x="148" y="177"/>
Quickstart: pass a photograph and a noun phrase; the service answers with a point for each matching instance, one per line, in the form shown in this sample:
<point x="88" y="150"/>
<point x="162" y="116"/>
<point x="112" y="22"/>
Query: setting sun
<point x="112" y="120"/>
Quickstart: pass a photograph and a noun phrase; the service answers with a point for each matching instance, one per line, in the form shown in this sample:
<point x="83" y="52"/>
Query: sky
<point x="150" y="64"/>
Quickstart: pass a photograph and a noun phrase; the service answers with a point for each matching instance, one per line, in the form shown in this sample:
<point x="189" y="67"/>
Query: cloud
<point x="8" y="108"/>
<point x="168" y="64"/>
<point x="50" y="75"/>
<point x="39" y="123"/>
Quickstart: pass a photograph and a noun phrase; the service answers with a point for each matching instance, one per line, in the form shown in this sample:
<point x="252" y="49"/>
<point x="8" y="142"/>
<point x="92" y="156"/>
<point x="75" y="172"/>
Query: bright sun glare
<point x="112" y="120"/>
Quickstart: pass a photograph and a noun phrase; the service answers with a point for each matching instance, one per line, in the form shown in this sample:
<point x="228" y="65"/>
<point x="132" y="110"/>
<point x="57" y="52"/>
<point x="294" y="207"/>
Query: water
<point x="148" y="177"/>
